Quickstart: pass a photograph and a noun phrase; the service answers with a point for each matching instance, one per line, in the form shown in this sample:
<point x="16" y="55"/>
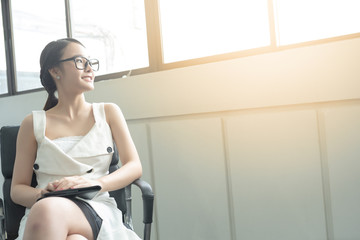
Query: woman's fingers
<point x="72" y="182"/>
<point x="52" y="186"/>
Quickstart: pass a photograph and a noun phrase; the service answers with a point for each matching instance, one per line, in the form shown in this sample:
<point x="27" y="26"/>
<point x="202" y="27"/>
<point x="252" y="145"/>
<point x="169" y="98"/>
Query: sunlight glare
<point x="193" y="29"/>
<point x="307" y="20"/>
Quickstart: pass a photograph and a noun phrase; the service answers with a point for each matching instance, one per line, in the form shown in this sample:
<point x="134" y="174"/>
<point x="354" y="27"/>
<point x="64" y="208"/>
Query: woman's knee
<point x="76" y="237"/>
<point x="43" y="214"/>
<point x="44" y="209"/>
<point x="56" y="216"/>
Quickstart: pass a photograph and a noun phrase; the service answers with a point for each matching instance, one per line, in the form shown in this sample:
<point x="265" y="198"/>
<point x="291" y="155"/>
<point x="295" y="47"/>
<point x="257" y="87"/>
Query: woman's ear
<point x="55" y="73"/>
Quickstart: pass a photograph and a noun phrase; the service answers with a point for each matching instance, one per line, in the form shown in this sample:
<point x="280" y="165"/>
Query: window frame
<point x="9" y="57"/>
<point x="155" y="51"/>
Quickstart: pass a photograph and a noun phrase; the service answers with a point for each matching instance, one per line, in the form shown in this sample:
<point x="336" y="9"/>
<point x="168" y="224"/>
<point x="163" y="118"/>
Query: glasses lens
<point x="94" y="64"/>
<point x="80" y="63"/>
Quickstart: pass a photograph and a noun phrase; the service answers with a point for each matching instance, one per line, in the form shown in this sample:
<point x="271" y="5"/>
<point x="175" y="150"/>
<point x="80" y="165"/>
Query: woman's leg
<point x="76" y="237"/>
<point x="56" y="218"/>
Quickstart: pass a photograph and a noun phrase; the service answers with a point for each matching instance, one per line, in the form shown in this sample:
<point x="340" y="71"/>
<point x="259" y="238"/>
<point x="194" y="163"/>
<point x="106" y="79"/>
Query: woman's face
<point x="72" y="79"/>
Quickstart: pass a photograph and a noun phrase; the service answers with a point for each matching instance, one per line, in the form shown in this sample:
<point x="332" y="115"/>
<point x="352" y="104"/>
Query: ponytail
<point x="49" y="84"/>
<point x="51" y="101"/>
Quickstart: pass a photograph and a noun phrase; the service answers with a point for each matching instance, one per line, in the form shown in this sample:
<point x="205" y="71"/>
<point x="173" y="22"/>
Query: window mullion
<point x="68" y="18"/>
<point x="9" y="49"/>
<point x="272" y="22"/>
<point x="155" y="50"/>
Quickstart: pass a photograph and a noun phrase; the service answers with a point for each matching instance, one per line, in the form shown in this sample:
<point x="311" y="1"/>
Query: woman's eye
<point x="79" y="60"/>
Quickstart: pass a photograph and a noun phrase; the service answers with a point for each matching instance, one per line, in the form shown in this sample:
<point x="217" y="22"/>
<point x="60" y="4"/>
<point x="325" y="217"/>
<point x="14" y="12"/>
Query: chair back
<point x="13" y="211"/>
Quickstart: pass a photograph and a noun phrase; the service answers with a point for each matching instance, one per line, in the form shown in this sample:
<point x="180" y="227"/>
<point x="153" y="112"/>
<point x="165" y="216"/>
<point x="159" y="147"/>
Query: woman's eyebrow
<point x="79" y="55"/>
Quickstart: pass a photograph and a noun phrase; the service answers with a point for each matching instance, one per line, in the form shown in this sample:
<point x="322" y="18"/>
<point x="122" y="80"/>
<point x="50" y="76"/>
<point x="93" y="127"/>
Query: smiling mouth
<point x="89" y="79"/>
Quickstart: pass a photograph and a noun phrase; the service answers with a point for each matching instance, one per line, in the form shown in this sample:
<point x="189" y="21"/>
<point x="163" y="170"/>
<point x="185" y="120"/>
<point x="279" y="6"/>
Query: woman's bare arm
<point x="131" y="168"/>
<point x="21" y="191"/>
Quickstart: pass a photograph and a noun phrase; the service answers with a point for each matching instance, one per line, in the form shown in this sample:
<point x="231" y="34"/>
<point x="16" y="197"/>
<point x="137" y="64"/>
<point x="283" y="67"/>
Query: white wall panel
<point x="276" y="176"/>
<point x="343" y="152"/>
<point x="190" y="178"/>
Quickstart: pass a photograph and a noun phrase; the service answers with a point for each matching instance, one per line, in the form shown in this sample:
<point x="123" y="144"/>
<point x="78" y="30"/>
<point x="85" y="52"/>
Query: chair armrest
<point x="1" y="209"/>
<point x="2" y="220"/>
<point x="148" y="200"/>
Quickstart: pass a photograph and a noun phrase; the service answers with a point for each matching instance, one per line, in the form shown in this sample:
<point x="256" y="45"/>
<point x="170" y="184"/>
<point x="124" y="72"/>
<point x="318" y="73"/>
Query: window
<point x="3" y="79"/>
<point x="153" y="35"/>
<point x="194" y="29"/>
<point x="35" y="23"/>
<point x="114" y="30"/>
<point x="308" y="20"/>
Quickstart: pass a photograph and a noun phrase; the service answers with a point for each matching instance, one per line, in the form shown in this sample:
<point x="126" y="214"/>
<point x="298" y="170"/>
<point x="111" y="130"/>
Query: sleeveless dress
<point x="87" y="156"/>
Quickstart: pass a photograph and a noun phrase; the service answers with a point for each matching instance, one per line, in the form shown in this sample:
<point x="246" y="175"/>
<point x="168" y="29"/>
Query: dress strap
<point x="39" y="123"/>
<point x="99" y="112"/>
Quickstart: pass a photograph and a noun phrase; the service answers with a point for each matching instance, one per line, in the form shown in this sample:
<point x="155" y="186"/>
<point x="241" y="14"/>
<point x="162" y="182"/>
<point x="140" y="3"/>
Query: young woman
<point x="69" y="144"/>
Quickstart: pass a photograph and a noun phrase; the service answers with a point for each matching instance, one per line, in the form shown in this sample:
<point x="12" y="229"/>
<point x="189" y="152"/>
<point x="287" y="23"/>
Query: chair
<point x="11" y="213"/>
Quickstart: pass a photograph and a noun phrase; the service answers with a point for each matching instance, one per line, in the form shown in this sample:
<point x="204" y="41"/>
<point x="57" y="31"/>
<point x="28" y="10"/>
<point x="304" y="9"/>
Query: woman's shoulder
<point x="28" y="121"/>
<point x="35" y="116"/>
<point x="112" y="111"/>
<point x="110" y="108"/>
<point x="27" y="125"/>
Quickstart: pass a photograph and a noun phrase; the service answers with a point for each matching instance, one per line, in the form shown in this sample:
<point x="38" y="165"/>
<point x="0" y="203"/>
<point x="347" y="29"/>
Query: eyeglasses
<point x="82" y="62"/>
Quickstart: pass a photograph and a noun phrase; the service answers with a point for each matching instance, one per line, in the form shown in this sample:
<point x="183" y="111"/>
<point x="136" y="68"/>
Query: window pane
<point x="307" y="20"/>
<point x="35" y="24"/>
<point x="199" y="28"/>
<point x="114" y="31"/>
<point x="3" y="79"/>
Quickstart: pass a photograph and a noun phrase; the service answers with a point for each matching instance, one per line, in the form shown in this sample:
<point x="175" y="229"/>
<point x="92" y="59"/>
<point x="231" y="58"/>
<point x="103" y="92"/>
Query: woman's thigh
<point x="57" y="217"/>
<point x="76" y="237"/>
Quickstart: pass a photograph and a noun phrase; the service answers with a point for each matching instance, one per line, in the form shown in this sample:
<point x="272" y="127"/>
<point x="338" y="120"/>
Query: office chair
<point x="11" y="213"/>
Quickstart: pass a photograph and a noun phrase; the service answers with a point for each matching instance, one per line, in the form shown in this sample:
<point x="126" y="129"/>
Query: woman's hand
<point x="51" y="187"/>
<point x="41" y="193"/>
<point x="71" y="182"/>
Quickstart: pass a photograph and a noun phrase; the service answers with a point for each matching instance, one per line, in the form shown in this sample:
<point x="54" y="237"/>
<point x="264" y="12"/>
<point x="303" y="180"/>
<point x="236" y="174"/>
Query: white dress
<point x="88" y="156"/>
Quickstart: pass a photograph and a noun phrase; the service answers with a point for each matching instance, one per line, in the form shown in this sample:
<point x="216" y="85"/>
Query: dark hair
<point x="49" y="58"/>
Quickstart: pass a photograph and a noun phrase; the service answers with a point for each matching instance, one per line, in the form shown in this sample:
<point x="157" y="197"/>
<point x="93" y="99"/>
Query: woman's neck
<point x="72" y="107"/>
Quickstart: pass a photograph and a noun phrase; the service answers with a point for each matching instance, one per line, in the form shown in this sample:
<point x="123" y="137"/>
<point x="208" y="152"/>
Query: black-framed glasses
<point x="82" y="62"/>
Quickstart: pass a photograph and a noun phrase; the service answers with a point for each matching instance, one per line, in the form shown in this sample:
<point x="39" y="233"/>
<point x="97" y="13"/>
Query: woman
<point x="70" y="145"/>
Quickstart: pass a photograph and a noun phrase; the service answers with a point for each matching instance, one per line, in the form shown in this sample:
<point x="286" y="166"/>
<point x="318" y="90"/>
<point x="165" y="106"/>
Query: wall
<point x="262" y="147"/>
